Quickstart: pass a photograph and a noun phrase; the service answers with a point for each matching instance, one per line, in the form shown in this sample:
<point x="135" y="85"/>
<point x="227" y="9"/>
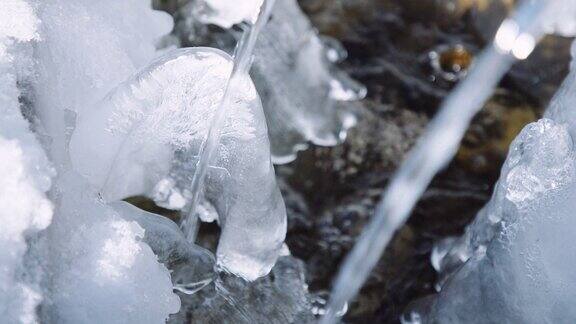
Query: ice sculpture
<point x="305" y="97"/>
<point x="514" y="40"/>
<point x="26" y="172"/>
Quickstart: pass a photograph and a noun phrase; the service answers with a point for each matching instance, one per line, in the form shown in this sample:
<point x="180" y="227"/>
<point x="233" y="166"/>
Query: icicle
<point x="209" y="148"/>
<point x="515" y="40"/>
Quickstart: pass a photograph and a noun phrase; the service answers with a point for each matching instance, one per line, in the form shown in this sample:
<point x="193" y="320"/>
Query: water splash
<point x="515" y="40"/>
<point x="243" y="58"/>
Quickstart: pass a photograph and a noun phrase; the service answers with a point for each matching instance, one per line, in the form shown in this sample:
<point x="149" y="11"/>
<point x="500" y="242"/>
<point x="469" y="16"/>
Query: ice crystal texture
<point x="519" y="242"/>
<point x="24" y="166"/>
<point x="278" y="299"/>
<point x="88" y="48"/>
<point x="149" y="130"/>
<point x="93" y="113"/>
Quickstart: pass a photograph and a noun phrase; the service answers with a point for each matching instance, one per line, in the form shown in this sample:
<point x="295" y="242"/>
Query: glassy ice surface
<point x="82" y="61"/>
<point x="280" y="298"/>
<point x="70" y="87"/>
<point x="149" y="131"/>
<point x="305" y="97"/>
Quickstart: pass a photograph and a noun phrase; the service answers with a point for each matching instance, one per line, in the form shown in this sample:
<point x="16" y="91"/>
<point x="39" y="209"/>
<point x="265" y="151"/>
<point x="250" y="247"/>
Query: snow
<point x="99" y="269"/>
<point x="87" y="48"/>
<point x="26" y="172"/>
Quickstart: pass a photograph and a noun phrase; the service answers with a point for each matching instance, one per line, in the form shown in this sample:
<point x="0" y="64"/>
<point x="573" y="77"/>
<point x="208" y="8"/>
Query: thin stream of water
<point x="209" y="149"/>
<point x="515" y="40"/>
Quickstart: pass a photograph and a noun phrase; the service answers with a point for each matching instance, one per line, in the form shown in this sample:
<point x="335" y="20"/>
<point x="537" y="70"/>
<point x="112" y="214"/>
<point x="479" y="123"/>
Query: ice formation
<point x="305" y="97"/>
<point x="87" y="48"/>
<point x="303" y="93"/>
<point x="83" y="81"/>
<point x="128" y="142"/>
<point x="79" y="261"/>
<point x="99" y="269"/>
<point x="227" y="13"/>
<point x="208" y="152"/>
<point x="514" y="40"/>
<point x="117" y="118"/>
<point x="26" y="172"/>
<point x="87" y="79"/>
<point x="191" y="267"/>
<point x="513" y="264"/>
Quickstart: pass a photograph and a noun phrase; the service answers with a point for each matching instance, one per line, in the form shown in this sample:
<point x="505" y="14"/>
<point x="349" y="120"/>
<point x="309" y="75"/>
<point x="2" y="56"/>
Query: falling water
<point x="242" y="63"/>
<point x="515" y="40"/>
